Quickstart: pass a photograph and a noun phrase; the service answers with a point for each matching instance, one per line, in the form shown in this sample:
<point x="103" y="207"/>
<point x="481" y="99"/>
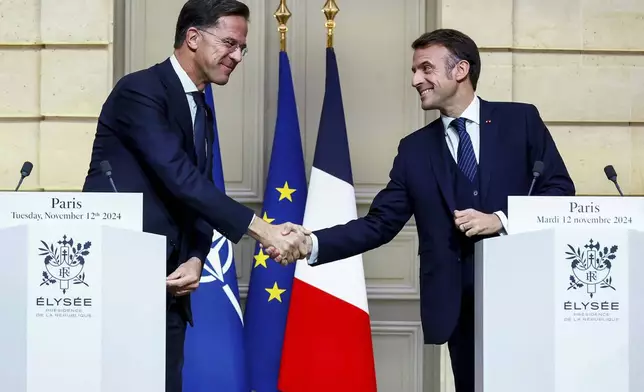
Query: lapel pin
<point x="488" y="121"/>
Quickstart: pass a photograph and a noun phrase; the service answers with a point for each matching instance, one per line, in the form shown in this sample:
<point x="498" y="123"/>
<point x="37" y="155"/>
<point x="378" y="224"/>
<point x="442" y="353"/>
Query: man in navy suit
<point x="156" y="131"/>
<point x="454" y="176"/>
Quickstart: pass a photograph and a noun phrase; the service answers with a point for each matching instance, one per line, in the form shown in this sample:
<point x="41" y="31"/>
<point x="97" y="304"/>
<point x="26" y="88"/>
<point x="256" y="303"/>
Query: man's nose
<point x="236" y="55"/>
<point x="416" y="79"/>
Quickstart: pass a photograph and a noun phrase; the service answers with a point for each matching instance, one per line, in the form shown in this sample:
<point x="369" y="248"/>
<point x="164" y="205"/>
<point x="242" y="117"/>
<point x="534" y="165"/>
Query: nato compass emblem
<point x="217" y="265"/>
<point x="591" y="267"/>
<point x="64" y="262"/>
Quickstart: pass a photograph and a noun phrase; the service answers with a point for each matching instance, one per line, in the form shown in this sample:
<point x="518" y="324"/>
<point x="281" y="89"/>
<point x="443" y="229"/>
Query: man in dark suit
<point x="454" y="176"/>
<point x="156" y="131"/>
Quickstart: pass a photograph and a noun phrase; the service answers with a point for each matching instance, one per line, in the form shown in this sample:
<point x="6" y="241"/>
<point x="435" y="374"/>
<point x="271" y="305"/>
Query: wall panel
<point x="399" y="356"/>
<point x="55" y="63"/>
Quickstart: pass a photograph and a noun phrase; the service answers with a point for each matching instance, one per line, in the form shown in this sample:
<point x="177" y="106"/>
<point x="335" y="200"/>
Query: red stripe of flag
<point x="315" y="357"/>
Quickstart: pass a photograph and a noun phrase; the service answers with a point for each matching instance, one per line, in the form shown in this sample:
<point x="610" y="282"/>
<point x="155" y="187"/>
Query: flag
<point x="270" y="283"/>
<point x="327" y="345"/>
<point x="214" y="347"/>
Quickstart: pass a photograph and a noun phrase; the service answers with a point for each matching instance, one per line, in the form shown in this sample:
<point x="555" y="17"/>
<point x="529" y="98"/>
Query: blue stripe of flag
<point x="330" y="155"/>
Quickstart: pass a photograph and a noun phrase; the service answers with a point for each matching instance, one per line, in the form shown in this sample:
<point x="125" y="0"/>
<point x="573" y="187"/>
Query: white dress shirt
<point x="188" y="86"/>
<point x="472" y="126"/>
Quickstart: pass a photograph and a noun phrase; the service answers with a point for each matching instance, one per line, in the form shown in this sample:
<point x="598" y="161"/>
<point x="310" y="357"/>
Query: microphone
<point x="24" y="173"/>
<point x="537" y="170"/>
<point x="611" y="174"/>
<point x="106" y="168"/>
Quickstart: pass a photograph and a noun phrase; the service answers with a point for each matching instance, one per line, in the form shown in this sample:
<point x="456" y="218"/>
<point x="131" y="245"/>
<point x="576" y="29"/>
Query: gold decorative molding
<point x="594" y="123"/>
<point x="24" y="189"/>
<point x="70" y="116"/>
<point x="60" y="189"/>
<point x="521" y="49"/>
<point x="55" y="45"/>
<point x="20" y="116"/>
<point x="44" y="117"/>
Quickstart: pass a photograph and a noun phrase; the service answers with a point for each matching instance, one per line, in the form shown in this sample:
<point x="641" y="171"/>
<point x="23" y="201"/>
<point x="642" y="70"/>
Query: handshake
<point x="285" y="243"/>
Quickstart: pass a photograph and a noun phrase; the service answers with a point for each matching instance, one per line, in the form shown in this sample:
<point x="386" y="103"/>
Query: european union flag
<point x="269" y="291"/>
<point x="214" y="347"/>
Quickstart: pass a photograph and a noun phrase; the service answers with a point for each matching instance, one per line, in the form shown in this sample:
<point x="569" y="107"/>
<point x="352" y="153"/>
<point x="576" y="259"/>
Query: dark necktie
<point x="201" y="125"/>
<point x="466" y="158"/>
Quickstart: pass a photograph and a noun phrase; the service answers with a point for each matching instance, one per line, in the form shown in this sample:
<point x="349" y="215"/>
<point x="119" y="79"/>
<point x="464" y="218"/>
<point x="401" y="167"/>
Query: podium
<point x="558" y="300"/>
<point x="84" y="302"/>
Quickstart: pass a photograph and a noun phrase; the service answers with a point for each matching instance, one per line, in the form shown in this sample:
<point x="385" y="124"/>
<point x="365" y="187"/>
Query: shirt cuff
<point x="252" y="220"/>
<point x="314" y="250"/>
<point x="504" y="222"/>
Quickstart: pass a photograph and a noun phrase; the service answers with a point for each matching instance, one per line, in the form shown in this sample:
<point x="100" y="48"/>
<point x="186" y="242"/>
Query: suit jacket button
<point x="476" y="193"/>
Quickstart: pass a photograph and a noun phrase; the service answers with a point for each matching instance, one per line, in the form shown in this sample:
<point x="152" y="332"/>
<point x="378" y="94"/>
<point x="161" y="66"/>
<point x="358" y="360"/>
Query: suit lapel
<point x="178" y="105"/>
<point x="487" y="153"/>
<point x="437" y="154"/>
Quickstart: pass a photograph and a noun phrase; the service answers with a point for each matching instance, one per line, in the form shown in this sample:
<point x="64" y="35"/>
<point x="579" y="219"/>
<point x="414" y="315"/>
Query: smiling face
<point x="218" y="50"/>
<point x="437" y="76"/>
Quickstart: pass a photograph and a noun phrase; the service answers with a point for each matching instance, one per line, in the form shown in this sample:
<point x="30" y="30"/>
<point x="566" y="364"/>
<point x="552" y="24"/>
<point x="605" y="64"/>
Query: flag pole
<point x="282" y="14"/>
<point x="330" y="11"/>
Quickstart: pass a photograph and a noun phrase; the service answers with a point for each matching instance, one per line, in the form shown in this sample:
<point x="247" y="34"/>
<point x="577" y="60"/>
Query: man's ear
<point x="193" y="38"/>
<point x="461" y="70"/>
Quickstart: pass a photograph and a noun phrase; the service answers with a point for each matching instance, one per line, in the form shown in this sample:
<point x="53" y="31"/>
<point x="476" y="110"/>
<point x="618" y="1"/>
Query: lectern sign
<point x="560" y="298"/>
<point x="560" y="310"/>
<point x="592" y="316"/>
<point x="85" y="294"/>
<point x="64" y="262"/>
<point x="530" y="213"/>
<point x="591" y="266"/>
<point x="112" y="209"/>
<point x="63" y="281"/>
<point x="593" y="274"/>
<point x="65" y="303"/>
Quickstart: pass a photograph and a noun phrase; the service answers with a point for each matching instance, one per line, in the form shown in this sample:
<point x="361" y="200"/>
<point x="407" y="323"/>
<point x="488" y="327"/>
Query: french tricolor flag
<point x="327" y="343"/>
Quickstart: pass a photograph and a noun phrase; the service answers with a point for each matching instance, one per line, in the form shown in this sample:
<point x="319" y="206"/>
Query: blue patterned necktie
<point x="466" y="158"/>
<point x="200" y="130"/>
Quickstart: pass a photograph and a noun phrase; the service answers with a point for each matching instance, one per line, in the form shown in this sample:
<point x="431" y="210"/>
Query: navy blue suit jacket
<point x="145" y="131"/>
<point x="511" y="141"/>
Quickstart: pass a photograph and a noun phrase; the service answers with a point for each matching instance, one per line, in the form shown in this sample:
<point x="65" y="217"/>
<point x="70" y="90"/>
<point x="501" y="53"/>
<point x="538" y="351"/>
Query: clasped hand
<point x="292" y="243"/>
<point x="285" y="243"/>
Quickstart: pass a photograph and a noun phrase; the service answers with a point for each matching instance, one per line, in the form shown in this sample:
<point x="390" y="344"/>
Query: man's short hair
<point x="204" y="14"/>
<point x="460" y="46"/>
